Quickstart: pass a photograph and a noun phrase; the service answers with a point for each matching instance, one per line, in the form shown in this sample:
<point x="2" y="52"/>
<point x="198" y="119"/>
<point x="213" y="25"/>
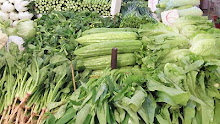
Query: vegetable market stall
<point x="165" y="74"/>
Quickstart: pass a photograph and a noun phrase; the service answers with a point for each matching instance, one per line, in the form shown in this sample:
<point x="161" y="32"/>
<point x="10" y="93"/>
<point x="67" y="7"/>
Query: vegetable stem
<point x="19" y="106"/>
<point x="3" y="116"/>
<point x="73" y="76"/>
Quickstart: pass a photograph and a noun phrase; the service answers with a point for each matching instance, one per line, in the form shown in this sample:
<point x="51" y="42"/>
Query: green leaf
<point x="51" y="119"/>
<point x="143" y="115"/>
<point x="102" y="113"/>
<point x="102" y="88"/>
<point x="133" y="115"/>
<point x="163" y="97"/>
<point x="10" y="59"/>
<point x="82" y="114"/>
<point x="137" y="100"/>
<point x="53" y="105"/>
<point x="70" y="114"/>
<point x="189" y="112"/>
<point x="61" y="111"/>
<point x="194" y="66"/>
<point x="121" y="94"/>
<point x="217" y="111"/>
<point x="122" y="114"/>
<point x="117" y="116"/>
<point x="150" y="107"/>
<point x="88" y="119"/>
<point x="178" y="96"/>
<point x="58" y="59"/>
<point x="161" y="120"/>
<point x="127" y="117"/>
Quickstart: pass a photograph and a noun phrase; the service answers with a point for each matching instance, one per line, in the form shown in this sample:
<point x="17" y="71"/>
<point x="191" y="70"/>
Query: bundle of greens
<point x="100" y="6"/>
<point x="134" y="14"/>
<point x="115" y="97"/>
<point x="32" y="84"/>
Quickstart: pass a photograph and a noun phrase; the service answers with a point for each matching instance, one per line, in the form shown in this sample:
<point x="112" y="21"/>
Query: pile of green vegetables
<point x="39" y="79"/>
<point x="32" y="83"/>
<point x="164" y="75"/>
<point x="177" y="81"/>
<point x="57" y="31"/>
<point x="183" y="7"/>
<point x="135" y="13"/>
<point x="98" y="44"/>
<point x="100" y="6"/>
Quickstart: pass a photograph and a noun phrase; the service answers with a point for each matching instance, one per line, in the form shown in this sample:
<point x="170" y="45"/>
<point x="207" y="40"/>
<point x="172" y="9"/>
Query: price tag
<point x="169" y="17"/>
<point x="115" y="7"/>
<point x="152" y="5"/>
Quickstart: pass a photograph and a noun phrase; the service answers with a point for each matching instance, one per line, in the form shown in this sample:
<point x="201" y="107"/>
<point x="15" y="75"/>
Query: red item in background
<point x="217" y="24"/>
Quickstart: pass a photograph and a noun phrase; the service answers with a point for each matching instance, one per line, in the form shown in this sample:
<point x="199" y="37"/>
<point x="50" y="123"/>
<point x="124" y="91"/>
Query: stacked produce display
<point x="56" y="69"/>
<point x="183" y="7"/>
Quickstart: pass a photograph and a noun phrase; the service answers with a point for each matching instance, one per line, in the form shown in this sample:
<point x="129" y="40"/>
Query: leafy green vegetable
<point x="26" y="29"/>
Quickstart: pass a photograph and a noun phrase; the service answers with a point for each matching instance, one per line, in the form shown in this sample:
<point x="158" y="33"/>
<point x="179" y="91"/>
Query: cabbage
<point x="11" y="31"/>
<point x="26" y="29"/>
<point x="206" y="47"/>
<point x="177" y="3"/>
<point x="193" y="11"/>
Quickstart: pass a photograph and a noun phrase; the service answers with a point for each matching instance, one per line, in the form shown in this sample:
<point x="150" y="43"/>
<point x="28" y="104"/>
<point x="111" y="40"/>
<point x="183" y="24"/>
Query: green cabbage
<point x="11" y="31"/>
<point x="26" y="29"/>
<point x="193" y="11"/>
<point x="206" y="45"/>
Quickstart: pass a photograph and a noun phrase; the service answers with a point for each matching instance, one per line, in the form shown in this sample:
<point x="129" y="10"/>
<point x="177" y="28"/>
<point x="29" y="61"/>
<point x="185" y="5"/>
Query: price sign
<point x="152" y="5"/>
<point x="115" y="7"/>
<point x="169" y="17"/>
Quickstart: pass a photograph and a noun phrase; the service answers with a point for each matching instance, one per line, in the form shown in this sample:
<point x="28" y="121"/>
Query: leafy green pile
<point x="158" y="41"/>
<point x="189" y="26"/>
<point x="173" y="85"/>
<point x="32" y="83"/>
<point x="115" y="97"/>
<point x="39" y="79"/>
<point x="134" y="14"/>
<point x="57" y="30"/>
<point x="185" y="90"/>
<point x="174" y="61"/>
